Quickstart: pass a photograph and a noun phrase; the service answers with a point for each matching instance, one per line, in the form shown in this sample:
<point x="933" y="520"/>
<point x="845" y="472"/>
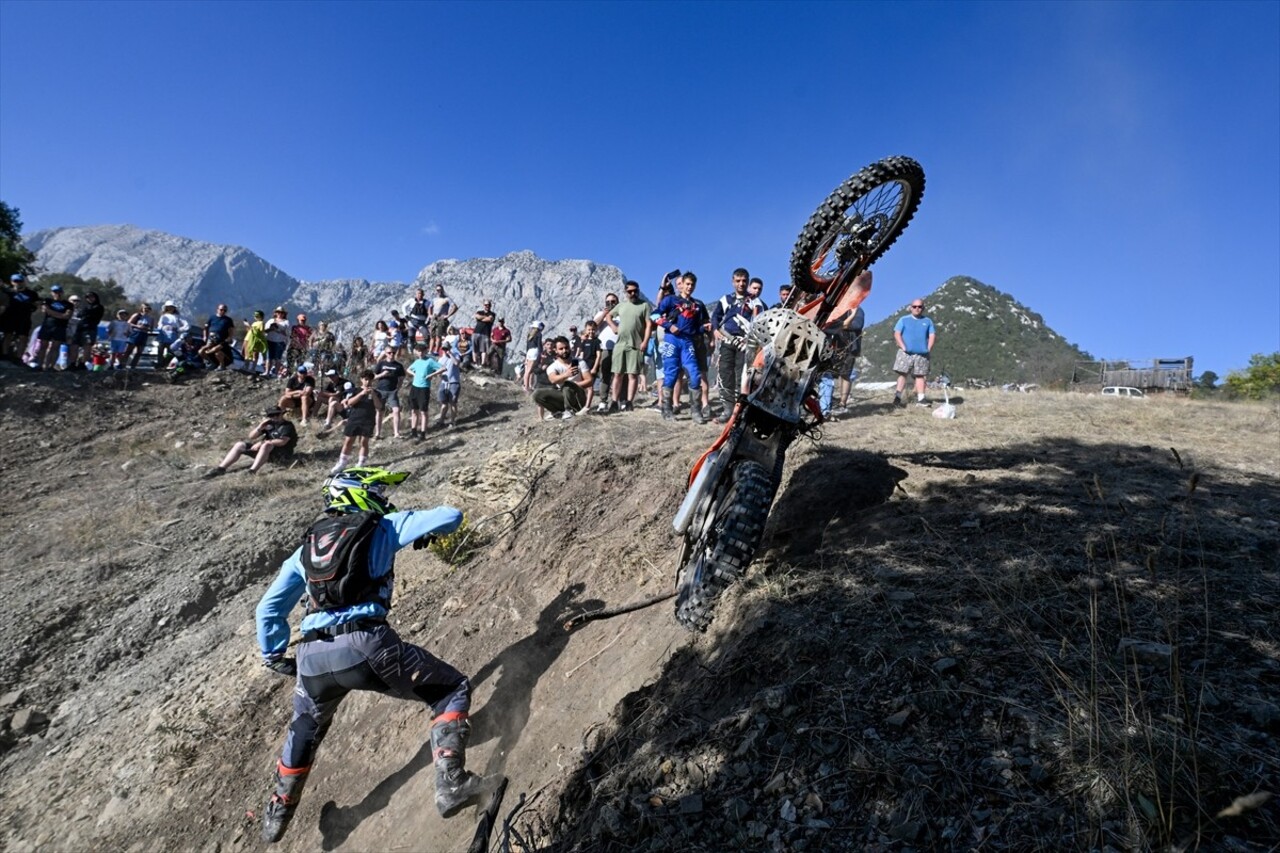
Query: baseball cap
<point x="56" y="287"/>
<point x="17" y="277"/>
<point x="302" y="368"/>
<point x="273" y="412"/>
<point x="169" y="304"/>
<point x="331" y="373"/>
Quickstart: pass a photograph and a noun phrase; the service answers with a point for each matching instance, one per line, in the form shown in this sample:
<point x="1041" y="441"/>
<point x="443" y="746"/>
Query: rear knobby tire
<point x="888" y="192"/>
<point x="728" y="545"/>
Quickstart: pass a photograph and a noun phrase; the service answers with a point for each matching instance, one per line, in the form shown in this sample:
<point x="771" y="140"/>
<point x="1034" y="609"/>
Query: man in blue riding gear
<point x="684" y="321"/>
<point x="345" y="568"/>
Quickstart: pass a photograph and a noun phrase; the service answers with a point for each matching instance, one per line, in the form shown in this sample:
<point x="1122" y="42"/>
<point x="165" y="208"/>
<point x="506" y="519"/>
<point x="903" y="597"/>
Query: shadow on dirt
<point x="829" y="490"/>
<point x="522" y="664"/>
<point x="336" y="823"/>
<point x="879" y="692"/>
<point x="503" y="716"/>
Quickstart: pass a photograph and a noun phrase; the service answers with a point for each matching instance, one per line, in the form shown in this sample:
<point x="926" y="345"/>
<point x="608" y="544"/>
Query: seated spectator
<point x="331" y="396"/>
<point x="217" y="339"/>
<point x="299" y="392"/>
<point x="274" y="434"/>
<point x="169" y="327"/>
<point x="569" y="381"/>
<point x="140" y="325"/>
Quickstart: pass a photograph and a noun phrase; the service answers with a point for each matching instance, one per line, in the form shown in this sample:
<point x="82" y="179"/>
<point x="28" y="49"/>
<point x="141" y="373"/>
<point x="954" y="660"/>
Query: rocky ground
<point x="1047" y="624"/>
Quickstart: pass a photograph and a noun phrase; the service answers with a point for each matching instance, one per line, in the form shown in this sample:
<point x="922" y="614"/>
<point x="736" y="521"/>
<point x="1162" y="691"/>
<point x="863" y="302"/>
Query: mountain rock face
<point x="154" y="266"/>
<point x="984" y="337"/>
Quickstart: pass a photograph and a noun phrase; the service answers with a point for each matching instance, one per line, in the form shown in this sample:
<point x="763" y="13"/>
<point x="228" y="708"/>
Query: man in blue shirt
<point x="684" y="320"/>
<point x="346" y="641"/>
<point x="217" y="339"/>
<point x="915" y="335"/>
<point x="420" y="392"/>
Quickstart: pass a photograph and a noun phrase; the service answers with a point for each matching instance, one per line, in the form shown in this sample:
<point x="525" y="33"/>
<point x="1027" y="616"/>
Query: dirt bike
<point x="732" y="485"/>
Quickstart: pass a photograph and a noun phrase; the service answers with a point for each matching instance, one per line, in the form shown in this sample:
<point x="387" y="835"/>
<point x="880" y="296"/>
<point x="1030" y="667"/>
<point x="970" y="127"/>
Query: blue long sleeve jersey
<point x="395" y="531"/>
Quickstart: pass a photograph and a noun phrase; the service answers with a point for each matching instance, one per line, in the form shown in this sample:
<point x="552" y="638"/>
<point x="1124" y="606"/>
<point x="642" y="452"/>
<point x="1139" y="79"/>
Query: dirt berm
<point x="1047" y="624"/>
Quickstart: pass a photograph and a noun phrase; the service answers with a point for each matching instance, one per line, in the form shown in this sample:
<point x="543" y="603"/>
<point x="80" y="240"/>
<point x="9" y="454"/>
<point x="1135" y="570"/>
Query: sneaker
<point x="697" y="416"/>
<point x="613" y="408"/>
<point x="626" y="407"/>
<point x="567" y="415"/>
<point x="547" y="417"/>
<point x="214" y="472"/>
<point x="897" y="400"/>
<point x="723" y="419"/>
<point x="585" y="410"/>
<point x="924" y="404"/>
<point x="602" y="407"/>
<point x="840" y="410"/>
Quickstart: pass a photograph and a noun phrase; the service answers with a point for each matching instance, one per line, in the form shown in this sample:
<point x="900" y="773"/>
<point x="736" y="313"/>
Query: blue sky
<point x="1113" y="166"/>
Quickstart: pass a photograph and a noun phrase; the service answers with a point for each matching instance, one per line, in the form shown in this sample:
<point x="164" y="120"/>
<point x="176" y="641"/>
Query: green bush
<point x="1261" y="379"/>
<point x="461" y="545"/>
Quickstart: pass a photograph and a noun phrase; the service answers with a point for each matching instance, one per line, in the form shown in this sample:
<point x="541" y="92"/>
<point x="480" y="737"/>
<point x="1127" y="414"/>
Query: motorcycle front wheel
<point x="858" y="222"/>
<point x="719" y="553"/>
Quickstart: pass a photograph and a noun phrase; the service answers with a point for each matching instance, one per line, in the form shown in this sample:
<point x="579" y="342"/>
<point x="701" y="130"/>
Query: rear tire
<point x="881" y="198"/>
<point x="726" y="546"/>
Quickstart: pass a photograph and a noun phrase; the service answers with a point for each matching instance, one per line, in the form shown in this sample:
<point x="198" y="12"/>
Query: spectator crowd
<point x="673" y="354"/>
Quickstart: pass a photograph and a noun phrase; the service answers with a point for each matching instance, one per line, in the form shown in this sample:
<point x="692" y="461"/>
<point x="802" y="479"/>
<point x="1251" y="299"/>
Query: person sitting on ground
<point x="140" y="325"/>
<point x="217" y="339"/>
<point x="330" y="396"/>
<point x="348" y="645"/>
<point x="274" y="434"/>
<point x="569" y="383"/>
<point x="169" y="327"/>
<point x="299" y="393"/>
<point x="422" y="369"/>
<point x="362" y="408"/>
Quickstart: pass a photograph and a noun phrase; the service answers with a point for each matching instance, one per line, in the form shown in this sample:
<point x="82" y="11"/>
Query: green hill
<point x="985" y="337"/>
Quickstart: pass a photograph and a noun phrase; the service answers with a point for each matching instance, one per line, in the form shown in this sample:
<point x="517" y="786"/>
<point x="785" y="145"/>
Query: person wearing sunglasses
<point x="914" y="334"/>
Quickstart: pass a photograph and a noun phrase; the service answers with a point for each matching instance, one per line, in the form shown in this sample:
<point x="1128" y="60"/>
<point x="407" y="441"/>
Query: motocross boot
<point x="667" y="413"/>
<point x="284" y="801"/>
<point x="455" y="785"/>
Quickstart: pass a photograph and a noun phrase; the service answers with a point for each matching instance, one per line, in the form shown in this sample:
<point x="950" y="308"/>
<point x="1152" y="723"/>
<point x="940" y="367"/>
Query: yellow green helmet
<point x="362" y="489"/>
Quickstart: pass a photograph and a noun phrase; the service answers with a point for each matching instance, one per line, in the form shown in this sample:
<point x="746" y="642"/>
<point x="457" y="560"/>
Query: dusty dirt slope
<point x="1048" y="624"/>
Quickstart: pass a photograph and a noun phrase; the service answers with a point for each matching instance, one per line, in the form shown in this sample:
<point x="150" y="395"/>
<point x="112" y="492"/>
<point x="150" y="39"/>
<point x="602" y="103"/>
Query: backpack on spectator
<point x="335" y="556"/>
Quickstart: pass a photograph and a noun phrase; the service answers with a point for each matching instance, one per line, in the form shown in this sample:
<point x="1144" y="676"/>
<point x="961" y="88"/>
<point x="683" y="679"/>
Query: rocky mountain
<point x="984" y="337"/>
<point x="154" y="266"/>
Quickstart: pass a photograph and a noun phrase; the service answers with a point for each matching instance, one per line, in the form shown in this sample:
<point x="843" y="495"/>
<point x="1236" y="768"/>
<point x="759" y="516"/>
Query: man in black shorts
<point x="364" y="407"/>
<point x="53" y="328"/>
<point x="274" y="434"/>
<point x="389" y="375"/>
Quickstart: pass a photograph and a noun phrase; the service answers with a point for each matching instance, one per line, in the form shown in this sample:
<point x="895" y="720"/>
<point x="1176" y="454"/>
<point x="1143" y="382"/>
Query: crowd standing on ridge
<point x="672" y="355"/>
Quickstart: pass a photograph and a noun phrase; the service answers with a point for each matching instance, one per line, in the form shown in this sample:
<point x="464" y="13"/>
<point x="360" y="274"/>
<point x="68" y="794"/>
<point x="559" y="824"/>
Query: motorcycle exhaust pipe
<point x="691" y="498"/>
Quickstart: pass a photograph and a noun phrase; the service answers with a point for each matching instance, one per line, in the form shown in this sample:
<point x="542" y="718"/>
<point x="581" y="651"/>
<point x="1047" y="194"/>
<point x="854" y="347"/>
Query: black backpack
<point x="335" y="555"/>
